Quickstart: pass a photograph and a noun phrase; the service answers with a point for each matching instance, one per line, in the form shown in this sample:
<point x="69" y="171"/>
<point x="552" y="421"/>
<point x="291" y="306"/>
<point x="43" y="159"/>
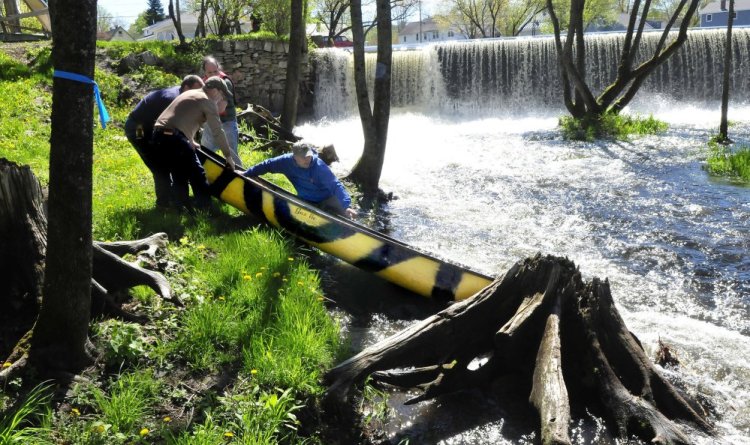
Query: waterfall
<point x="515" y="75"/>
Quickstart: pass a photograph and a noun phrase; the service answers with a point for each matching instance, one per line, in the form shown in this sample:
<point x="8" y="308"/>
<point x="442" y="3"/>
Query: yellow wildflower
<point x="99" y="428"/>
<point x="143" y="432"/>
<point x="7" y="364"/>
<point x="300" y="283"/>
<point x="75" y="412"/>
<point x="253" y="371"/>
<point x="290" y="259"/>
<point x="263" y="268"/>
<point x="276" y="274"/>
<point x="166" y="419"/>
<point x="320" y="298"/>
<point x="247" y="278"/>
<point x="228" y="435"/>
<point x="222" y="298"/>
<point x="259" y="274"/>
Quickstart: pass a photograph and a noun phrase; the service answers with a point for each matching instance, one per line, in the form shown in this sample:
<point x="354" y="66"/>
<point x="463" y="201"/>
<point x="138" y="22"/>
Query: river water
<point x="490" y="188"/>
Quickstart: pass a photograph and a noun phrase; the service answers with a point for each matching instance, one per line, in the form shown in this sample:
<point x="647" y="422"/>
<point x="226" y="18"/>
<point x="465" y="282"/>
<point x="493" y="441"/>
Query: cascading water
<point x="482" y="177"/>
<point x="520" y="74"/>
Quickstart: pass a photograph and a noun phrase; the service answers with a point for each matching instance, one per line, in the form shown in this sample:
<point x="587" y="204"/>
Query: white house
<point x="165" y="30"/>
<point x="429" y="31"/>
<point x="115" y="34"/>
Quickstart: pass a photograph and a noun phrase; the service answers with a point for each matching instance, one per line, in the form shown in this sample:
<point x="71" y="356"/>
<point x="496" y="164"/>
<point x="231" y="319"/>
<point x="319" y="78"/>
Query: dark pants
<point x="184" y="166"/>
<point x="153" y="158"/>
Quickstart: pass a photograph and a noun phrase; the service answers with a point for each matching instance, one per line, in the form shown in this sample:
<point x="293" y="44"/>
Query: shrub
<point x="609" y="125"/>
<point x="723" y="161"/>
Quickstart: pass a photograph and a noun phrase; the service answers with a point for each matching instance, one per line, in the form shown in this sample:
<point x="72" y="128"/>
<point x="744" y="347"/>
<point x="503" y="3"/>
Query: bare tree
<point x="519" y="14"/>
<point x="294" y="62"/>
<point x="174" y="14"/>
<point x="367" y="170"/>
<point x="60" y="334"/>
<point x="724" y="126"/>
<point x="579" y="99"/>
<point x="333" y="15"/>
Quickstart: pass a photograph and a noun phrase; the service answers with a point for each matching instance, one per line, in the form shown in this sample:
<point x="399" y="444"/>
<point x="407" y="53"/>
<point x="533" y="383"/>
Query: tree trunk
<point x="23" y="239"/>
<point x="61" y="332"/>
<point x="11" y="8"/>
<point x="585" y="356"/>
<point x="293" y="66"/>
<point x="724" y="126"/>
<point x="366" y="172"/>
<point x="174" y="14"/>
<point x="580" y="101"/>
<point x="200" y="30"/>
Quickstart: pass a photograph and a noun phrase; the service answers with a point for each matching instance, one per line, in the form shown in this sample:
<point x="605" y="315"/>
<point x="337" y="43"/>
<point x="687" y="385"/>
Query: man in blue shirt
<point x="311" y="177"/>
<point x="140" y="126"/>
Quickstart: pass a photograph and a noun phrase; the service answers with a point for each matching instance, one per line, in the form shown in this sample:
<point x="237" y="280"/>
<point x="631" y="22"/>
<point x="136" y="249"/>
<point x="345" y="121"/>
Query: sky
<point x="126" y="11"/>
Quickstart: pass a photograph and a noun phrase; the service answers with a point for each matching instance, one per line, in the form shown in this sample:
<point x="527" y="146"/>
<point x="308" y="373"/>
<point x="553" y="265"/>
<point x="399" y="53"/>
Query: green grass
<point x="29" y="423"/>
<point x="609" y="125"/>
<point x="723" y="161"/>
<point x="253" y="308"/>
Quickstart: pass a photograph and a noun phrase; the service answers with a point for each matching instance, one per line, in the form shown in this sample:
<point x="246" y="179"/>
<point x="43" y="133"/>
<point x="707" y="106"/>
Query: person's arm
<point x="273" y="165"/>
<point x="217" y="131"/>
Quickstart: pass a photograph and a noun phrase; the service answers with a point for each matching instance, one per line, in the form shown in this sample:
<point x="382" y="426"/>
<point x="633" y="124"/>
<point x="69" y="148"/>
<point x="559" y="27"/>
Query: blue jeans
<point x="233" y="137"/>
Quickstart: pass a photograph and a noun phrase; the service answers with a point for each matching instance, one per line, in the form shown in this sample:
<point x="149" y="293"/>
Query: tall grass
<point x="29" y="423"/>
<point x="609" y="126"/>
<point x="723" y="161"/>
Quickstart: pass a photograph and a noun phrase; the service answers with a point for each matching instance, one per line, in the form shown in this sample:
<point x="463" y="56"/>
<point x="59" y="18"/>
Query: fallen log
<point x="560" y="339"/>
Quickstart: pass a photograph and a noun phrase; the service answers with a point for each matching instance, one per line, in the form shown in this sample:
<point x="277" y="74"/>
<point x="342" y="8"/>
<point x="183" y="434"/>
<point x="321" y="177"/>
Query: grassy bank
<point x="239" y="363"/>
<point x="609" y="126"/>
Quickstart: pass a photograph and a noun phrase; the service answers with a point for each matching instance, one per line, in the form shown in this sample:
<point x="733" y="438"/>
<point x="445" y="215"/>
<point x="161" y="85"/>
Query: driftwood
<point x="23" y="237"/>
<point x="265" y="124"/>
<point x="584" y="356"/>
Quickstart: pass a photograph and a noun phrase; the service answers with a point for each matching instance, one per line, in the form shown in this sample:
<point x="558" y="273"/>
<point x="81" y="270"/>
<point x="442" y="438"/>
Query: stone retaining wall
<point x="258" y="70"/>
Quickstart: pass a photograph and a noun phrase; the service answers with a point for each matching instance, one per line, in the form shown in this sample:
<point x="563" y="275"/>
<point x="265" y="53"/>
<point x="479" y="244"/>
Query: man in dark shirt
<point x="140" y="126"/>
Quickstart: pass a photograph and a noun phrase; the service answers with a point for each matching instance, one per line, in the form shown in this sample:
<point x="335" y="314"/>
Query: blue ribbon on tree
<point x="103" y="115"/>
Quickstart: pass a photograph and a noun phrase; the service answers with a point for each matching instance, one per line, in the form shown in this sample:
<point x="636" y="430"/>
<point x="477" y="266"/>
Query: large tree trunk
<point x="367" y="170"/>
<point x="293" y="66"/>
<point x="23" y="240"/>
<point x="724" y="125"/>
<point x="174" y="14"/>
<point x="61" y="331"/>
<point x="584" y="356"/>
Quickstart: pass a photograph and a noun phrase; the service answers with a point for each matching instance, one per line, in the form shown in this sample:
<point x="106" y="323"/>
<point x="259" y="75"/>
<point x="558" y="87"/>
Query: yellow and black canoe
<point x="354" y="243"/>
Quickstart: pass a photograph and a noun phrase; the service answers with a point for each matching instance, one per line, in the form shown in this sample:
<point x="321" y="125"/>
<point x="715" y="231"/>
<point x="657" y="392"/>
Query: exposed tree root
<point x="584" y="355"/>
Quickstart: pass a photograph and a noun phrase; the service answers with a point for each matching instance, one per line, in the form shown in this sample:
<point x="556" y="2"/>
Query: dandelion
<point x="276" y="274"/>
<point x="75" y="412"/>
<point x="247" y="278"/>
<point x="263" y="268"/>
<point x="284" y="280"/>
<point x="228" y="435"/>
<point x="253" y="371"/>
<point x="99" y="428"/>
<point x="259" y="274"/>
<point x="290" y="259"/>
<point x="300" y="283"/>
<point x="7" y="364"/>
<point x="184" y="240"/>
<point x="143" y="432"/>
<point x="200" y="247"/>
<point x="166" y="419"/>
<point x="320" y="298"/>
<point x="222" y="298"/>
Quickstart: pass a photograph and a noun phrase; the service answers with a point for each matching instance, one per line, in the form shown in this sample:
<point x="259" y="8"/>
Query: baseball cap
<point x="217" y="83"/>
<point x="302" y="150"/>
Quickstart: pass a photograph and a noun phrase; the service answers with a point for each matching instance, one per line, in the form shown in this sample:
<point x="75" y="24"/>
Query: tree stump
<point x="585" y="356"/>
<point x="23" y="236"/>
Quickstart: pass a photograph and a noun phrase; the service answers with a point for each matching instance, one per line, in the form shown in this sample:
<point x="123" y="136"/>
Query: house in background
<point x="165" y="29"/>
<point x="717" y="13"/>
<point x="430" y="31"/>
<point x="117" y="34"/>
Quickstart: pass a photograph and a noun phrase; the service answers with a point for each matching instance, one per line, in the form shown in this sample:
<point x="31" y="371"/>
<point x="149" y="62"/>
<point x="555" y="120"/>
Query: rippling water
<point x="672" y="240"/>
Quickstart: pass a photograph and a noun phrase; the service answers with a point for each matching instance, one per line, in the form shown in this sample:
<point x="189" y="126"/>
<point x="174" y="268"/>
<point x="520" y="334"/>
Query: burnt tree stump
<point x="563" y="340"/>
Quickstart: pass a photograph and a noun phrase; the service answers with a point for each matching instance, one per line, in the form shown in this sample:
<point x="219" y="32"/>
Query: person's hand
<point x="230" y="163"/>
<point x="351" y="213"/>
<point x="196" y="145"/>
